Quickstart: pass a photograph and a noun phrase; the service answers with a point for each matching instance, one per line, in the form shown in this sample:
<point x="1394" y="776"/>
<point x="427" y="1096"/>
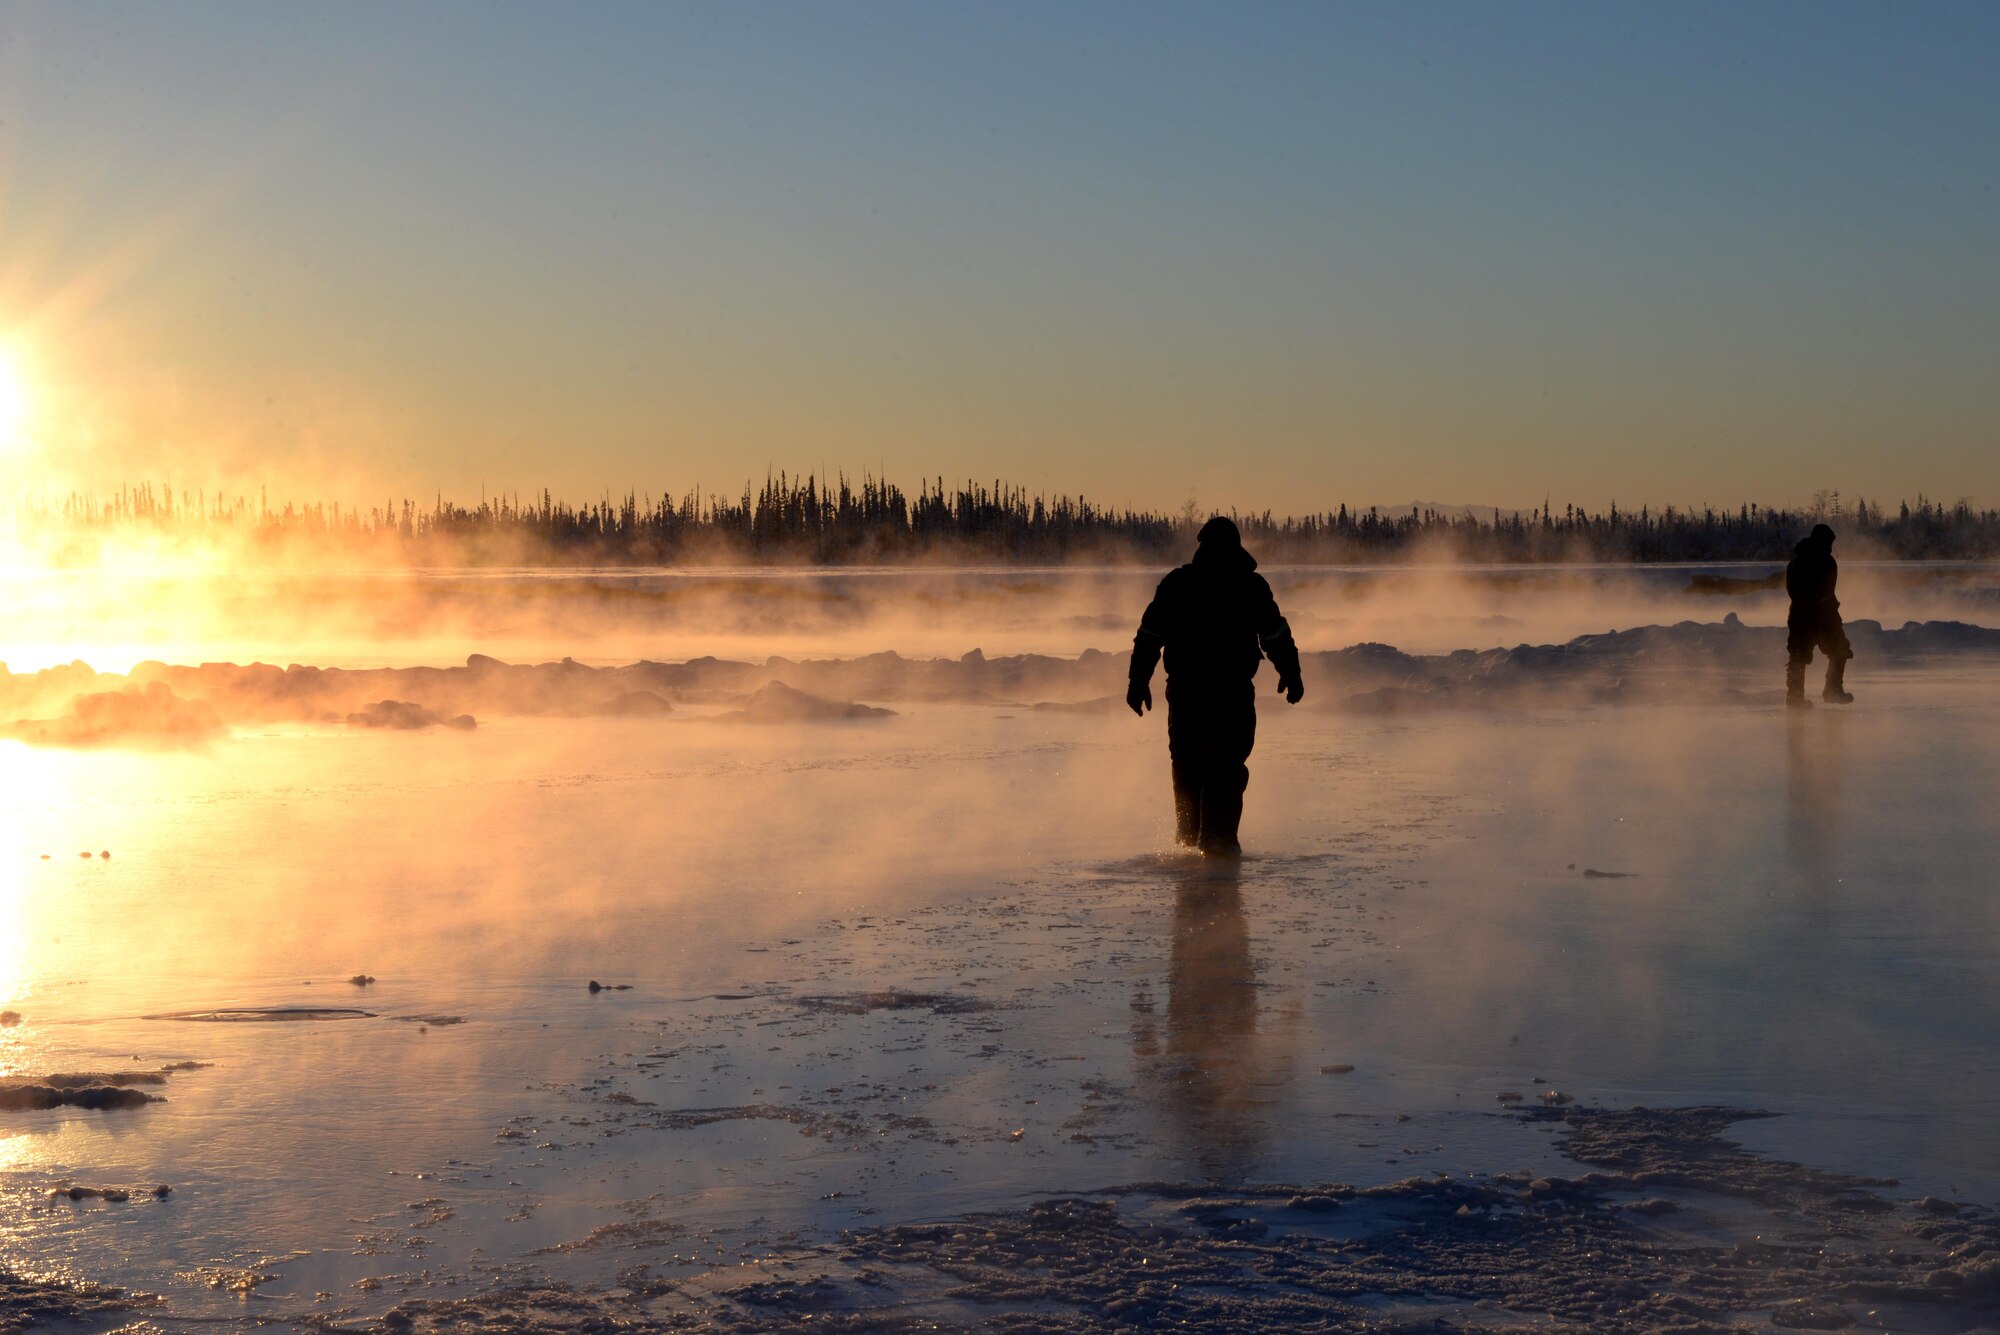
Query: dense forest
<point x="806" y="521"/>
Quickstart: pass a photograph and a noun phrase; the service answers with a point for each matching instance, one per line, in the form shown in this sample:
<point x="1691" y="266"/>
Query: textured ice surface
<point x="916" y="1002"/>
<point x="1726" y="662"/>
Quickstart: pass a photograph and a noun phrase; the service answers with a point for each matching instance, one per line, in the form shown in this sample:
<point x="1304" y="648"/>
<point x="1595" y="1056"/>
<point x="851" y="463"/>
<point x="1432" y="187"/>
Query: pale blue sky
<point x="1265" y="255"/>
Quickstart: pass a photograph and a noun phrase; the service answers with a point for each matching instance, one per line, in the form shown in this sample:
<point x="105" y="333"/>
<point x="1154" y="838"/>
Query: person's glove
<point x="1292" y="688"/>
<point x="1139" y="695"/>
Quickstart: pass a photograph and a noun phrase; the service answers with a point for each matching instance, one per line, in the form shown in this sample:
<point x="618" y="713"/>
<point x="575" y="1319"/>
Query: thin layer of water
<point x="852" y="975"/>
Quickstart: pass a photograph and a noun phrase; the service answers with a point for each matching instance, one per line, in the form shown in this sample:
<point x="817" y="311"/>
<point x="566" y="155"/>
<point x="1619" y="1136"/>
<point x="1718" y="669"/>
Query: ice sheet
<point x="859" y="975"/>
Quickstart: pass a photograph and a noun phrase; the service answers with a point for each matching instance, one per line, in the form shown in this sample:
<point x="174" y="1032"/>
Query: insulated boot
<point x="1187" y="806"/>
<point x="1221" y="813"/>
<point x="1795" y="685"/>
<point x="1835" y="693"/>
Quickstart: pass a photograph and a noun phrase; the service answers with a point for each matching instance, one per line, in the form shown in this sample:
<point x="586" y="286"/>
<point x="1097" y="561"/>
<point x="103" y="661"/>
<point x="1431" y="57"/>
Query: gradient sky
<point x="1260" y="255"/>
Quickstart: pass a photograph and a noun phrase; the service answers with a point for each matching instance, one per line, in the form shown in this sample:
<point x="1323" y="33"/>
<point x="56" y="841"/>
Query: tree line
<point x="809" y="521"/>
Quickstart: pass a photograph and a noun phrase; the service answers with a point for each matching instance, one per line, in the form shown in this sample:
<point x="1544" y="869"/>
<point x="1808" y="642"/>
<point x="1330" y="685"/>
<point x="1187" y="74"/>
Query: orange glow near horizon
<point x="15" y="403"/>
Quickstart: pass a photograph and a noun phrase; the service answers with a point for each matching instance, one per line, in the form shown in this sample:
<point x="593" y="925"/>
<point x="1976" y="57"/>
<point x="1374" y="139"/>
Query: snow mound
<point x="775" y="702"/>
<point x="149" y="715"/>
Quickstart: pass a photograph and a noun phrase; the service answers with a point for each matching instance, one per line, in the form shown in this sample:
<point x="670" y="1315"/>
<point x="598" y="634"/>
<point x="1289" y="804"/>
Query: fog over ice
<point x="909" y="966"/>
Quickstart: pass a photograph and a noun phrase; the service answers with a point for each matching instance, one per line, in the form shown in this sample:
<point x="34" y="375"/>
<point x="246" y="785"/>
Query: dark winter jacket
<point x="1216" y="620"/>
<point x="1809" y="580"/>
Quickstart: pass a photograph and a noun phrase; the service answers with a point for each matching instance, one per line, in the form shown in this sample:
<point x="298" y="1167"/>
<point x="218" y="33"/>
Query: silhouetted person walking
<point x="1814" y="621"/>
<point x="1216" y="620"/>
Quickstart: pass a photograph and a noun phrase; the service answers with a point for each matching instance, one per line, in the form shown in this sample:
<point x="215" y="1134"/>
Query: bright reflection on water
<point x="1806" y="922"/>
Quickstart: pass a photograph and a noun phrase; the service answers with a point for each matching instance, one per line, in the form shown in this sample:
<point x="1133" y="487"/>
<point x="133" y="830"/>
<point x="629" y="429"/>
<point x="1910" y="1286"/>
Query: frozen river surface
<point x="869" y="974"/>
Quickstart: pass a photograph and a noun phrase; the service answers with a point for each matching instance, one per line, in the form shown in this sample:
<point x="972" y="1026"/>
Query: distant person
<point x="1814" y="621"/>
<point x="1216" y="620"/>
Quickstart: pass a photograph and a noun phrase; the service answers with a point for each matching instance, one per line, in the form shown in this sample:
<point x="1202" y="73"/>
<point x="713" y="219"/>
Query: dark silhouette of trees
<point x="809" y="521"/>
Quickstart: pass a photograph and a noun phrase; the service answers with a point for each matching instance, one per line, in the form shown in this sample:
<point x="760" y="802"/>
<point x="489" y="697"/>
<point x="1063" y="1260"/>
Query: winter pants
<point x="1829" y="637"/>
<point x="1211" y="727"/>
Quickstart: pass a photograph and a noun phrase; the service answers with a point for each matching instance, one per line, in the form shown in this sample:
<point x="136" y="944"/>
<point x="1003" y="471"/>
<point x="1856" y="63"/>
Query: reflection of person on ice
<point x="1814" y="622"/>
<point x="1216" y="620"/>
